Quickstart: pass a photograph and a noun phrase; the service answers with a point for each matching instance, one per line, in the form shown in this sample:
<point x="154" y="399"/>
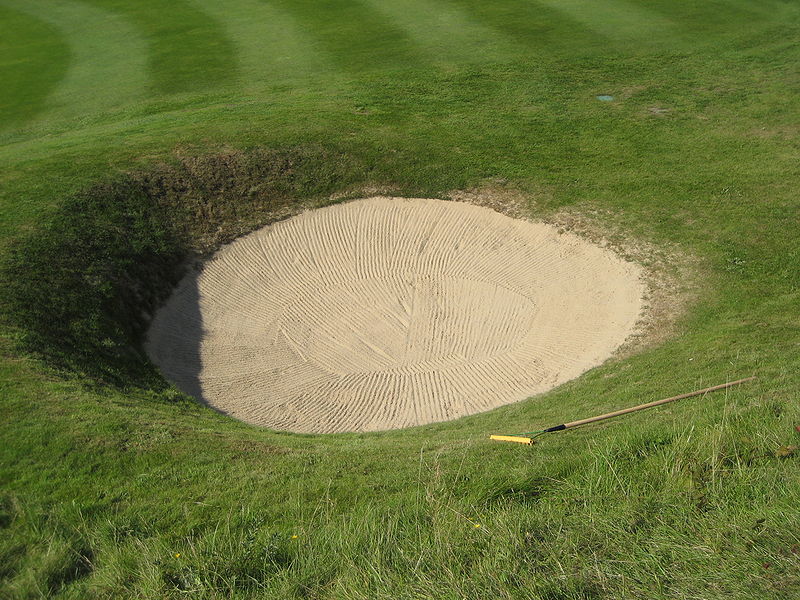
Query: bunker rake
<point x="528" y="436"/>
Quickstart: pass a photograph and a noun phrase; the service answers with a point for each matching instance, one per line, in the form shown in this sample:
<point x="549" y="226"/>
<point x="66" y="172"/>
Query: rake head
<point x="513" y="438"/>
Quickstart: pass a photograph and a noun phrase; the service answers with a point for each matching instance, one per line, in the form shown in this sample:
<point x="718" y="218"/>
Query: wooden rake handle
<point x="625" y="411"/>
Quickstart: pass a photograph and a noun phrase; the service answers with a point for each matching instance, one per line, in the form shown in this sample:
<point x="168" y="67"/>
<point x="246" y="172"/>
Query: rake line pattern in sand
<point x="388" y="312"/>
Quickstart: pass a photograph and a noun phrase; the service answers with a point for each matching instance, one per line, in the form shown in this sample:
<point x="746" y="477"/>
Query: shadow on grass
<point x="79" y="291"/>
<point x="76" y="565"/>
<point x="525" y="492"/>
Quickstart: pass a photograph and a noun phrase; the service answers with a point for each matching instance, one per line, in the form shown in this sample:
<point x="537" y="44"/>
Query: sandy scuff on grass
<point x="391" y="312"/>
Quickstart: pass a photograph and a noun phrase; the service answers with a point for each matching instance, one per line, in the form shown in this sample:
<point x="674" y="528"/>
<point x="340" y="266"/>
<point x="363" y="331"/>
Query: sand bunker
<point x="390" y="312"/>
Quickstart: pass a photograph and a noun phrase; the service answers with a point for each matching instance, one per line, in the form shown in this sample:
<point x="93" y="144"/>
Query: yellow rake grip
<point x="512" y="438"/>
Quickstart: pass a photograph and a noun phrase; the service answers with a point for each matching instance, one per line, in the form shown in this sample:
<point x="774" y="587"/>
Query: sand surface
<point x="388" y="312"/>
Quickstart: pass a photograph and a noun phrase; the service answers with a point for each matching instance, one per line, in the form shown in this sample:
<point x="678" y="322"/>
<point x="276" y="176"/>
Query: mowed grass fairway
<point x="114" y="485"/>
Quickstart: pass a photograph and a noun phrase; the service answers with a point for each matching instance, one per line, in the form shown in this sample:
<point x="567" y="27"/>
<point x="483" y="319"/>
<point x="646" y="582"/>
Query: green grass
<point x="187" y="50"/>
<point x="135" y="134"/>
<point x="35" y="59"/>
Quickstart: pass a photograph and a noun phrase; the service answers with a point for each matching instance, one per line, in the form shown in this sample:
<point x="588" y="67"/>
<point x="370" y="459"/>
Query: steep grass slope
<point x="114" y="485"/>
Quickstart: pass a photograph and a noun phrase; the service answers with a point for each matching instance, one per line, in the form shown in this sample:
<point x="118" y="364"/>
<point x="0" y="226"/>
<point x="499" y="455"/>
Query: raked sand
<point x="390" y="312"/>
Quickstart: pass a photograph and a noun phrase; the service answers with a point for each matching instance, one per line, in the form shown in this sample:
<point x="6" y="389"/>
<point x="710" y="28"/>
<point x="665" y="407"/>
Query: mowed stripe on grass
<point x="447" y="32"/>
<point x="715" y="15"/>
<point x="271" y="46"/>
<point x="34" y="57"/>
<point x="187" y="49"/>
<point x="543" y="30"/>
<point x="107" y="57"/>
<point x="617" y="20"/>
<point x="122" y="53"/>
<point x="355" y="35"/>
